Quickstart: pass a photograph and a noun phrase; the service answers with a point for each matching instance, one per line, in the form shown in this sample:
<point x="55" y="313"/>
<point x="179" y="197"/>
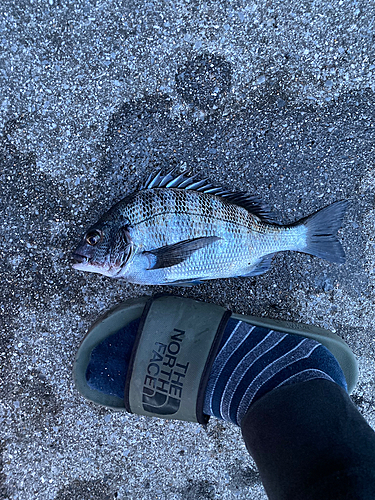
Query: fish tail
<point x="321" y="236"/>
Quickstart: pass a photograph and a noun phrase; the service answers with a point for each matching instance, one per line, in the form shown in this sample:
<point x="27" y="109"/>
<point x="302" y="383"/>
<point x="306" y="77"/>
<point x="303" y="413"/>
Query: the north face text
<point x="164" y="378"/>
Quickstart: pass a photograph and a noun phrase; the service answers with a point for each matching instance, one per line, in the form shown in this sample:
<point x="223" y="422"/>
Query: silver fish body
<point x="182" y="231"/>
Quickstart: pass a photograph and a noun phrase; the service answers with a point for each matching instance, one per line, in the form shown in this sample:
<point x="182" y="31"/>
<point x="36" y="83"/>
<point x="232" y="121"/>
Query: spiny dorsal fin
<point x="183" y="181"/>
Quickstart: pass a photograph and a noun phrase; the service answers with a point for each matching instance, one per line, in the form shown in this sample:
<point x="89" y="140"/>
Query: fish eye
<point x="93" y="237"/>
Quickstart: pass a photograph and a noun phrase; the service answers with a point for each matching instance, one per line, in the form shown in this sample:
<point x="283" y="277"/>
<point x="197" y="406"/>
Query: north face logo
<point x="164" y="379"/>
<point x="160" y="404"/>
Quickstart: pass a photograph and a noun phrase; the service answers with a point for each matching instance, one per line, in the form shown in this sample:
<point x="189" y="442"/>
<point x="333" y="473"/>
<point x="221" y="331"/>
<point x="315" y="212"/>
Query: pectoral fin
<point x="171" y="255"/>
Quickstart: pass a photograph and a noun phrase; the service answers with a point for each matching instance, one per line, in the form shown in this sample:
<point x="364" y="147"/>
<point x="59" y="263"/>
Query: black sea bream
<point x="177" y="230"/>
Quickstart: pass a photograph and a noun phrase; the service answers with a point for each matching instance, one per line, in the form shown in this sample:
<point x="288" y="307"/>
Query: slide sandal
<point x="174" y="344"/>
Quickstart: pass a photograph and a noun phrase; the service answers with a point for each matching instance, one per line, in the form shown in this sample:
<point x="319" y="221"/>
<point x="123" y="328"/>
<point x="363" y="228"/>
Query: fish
<point x="178" y="230"/>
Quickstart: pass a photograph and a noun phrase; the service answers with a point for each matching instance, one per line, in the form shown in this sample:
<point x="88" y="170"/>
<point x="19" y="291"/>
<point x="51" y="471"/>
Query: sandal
<point x="173" y="346"/>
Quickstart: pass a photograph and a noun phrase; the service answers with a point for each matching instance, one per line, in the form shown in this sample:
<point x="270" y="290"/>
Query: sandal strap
<point x="176" y="344"/>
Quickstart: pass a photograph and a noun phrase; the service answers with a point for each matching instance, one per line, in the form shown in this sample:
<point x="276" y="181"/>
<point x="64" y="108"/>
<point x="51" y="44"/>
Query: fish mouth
<point x="80" y="259"/>
<point x="83" y="263"/>
<point x="107" y="268"/>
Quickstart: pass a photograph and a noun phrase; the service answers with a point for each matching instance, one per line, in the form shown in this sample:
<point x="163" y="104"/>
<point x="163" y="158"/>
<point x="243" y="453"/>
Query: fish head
<point x="105" y="249"/>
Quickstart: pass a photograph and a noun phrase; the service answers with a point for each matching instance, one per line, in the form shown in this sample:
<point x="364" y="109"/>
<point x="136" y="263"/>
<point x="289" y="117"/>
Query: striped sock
<point x="252" y="361"/>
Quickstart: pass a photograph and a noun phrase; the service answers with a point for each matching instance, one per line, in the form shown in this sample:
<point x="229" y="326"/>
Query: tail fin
<point x="322" y="227"/>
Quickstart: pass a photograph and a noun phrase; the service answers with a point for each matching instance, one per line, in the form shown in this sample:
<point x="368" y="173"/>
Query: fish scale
<point x="182" y="215"/>
<point x="179" y="230"/>
<point x="173" y="215"/>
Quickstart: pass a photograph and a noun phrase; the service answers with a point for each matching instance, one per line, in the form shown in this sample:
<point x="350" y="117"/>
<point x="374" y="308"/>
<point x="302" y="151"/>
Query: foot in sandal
<point x="178" y="358"/>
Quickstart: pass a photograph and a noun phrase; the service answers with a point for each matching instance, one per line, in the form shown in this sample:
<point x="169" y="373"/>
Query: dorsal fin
<point x="252" y="204"/>
<point x="184" y="181"/>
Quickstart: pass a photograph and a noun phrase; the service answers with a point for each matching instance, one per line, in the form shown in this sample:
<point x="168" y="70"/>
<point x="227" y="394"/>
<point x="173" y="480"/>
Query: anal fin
<point x="261" y="266"/>
<point x="186" y="283"/>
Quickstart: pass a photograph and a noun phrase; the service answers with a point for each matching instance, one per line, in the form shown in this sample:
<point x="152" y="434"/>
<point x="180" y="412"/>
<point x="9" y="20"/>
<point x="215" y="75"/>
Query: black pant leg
<point x="311" y="443"/>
